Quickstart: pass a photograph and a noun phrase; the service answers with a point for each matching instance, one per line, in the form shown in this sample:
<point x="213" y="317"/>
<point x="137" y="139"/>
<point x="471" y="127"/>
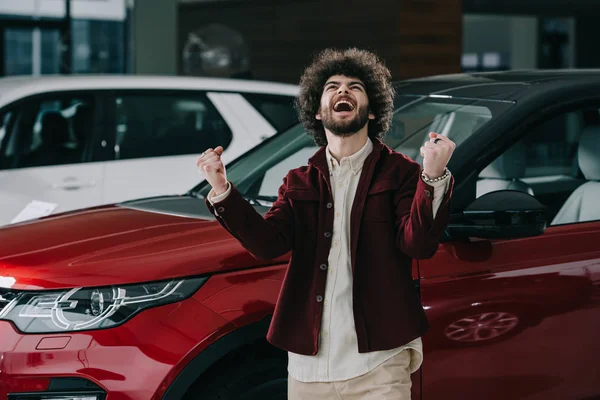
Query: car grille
<point x="6" y="296"/>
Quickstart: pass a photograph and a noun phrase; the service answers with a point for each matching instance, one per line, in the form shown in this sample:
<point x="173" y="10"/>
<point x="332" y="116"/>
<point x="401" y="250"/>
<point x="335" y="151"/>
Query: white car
<point x="81" y="141"/>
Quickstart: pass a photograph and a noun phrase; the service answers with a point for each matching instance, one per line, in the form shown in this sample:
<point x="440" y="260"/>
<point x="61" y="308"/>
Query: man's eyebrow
<point x="349" y="84"/>
<point x="357" y="83"/>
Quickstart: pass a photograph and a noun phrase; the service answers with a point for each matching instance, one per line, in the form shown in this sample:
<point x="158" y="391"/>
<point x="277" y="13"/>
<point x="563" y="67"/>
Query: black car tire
<point x="243" y="379"/>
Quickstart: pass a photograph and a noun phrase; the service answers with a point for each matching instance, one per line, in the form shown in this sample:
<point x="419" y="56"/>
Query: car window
<point x="551" y="147"/>
<point x="545" y="163"/>
<point x="49" y="131"/>
<point x="6" y="122"/>
<point x="278" y="110"/>
<point x="5" y="119"/>
<point x="157" y="125"/>
<point x="455" y="119"/>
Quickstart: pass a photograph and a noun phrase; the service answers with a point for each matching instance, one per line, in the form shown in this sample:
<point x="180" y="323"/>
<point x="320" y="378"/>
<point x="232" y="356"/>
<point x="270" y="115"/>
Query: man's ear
<point x="371" y="115"/>
<point x="318" y="116"/>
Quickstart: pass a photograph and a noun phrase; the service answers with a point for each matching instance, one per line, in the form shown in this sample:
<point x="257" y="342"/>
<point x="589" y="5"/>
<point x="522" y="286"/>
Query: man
<point x="354" y="218"/>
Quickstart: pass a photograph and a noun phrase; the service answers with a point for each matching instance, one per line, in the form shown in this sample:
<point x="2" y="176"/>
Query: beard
<point x="345" y="127"/>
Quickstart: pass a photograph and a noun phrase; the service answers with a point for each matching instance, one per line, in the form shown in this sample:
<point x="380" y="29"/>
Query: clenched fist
<point x="436" y="154"/>
<point x="211" y="166"/>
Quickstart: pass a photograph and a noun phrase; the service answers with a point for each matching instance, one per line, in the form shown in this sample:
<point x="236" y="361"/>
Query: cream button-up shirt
<point x="338" y="357"/>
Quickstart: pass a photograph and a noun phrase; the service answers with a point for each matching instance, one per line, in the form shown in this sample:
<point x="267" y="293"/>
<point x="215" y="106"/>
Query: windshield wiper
<point x="264" y="201"/>
<point x="196" y="194"/>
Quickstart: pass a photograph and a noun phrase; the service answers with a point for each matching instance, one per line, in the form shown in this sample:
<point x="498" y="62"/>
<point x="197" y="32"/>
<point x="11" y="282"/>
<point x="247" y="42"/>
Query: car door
<point x="519" y="318"/>
<point x="158" y="136"/>
<point x="45" y="156"/>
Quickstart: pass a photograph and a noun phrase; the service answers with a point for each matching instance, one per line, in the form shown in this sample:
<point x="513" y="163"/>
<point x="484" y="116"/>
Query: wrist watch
<point x="439" y="178"/>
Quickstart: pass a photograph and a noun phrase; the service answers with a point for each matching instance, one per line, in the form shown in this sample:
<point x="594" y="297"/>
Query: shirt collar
<point x="356" y="160"/>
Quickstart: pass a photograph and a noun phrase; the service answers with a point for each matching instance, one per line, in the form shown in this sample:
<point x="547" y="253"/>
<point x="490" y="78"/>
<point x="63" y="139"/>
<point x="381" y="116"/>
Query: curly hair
<point x="355" y="63"/>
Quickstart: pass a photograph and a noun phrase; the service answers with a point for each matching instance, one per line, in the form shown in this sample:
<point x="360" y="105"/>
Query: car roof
<point x="500" y="85"/>
<point x="518" y="75"/>
<point x="13" y="88"/>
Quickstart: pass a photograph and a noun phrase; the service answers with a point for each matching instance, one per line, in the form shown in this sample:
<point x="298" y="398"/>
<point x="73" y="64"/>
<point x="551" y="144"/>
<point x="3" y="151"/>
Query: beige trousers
<point x="390" y="380"/>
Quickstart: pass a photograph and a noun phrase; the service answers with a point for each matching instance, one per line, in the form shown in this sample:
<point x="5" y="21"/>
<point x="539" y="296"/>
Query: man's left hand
<point x="436" y="154"/>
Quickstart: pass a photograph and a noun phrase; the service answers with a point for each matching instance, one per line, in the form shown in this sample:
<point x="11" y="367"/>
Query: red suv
<point x="153" y="299"/>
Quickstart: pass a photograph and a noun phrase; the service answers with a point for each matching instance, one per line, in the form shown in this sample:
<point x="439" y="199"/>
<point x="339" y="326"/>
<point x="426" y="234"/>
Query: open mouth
<point x="343" y="105"/>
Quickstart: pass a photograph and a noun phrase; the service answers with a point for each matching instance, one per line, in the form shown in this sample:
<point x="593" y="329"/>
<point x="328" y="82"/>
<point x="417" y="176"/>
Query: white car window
<point x="278" y="110"/>
<point x="158" y="125"/>
<point x="4" y="121"/>
<point x="49" y="131"/>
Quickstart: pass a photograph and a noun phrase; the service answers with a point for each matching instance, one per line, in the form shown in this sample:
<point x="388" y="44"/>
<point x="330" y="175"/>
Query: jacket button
<point x="319" y="298"/>
<point x="323" y="266"/>
<point x="329" y="205"/>
<point x="427" y="193"/>
<point x="327" y="234"/>
<point x="220" y="209"/>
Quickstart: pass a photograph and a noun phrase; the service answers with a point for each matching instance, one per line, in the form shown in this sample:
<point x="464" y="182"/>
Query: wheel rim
<point x="481" y="327"/>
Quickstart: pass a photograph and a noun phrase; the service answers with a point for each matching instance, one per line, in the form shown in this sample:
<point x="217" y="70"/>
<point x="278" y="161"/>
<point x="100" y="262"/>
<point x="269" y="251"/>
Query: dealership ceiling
<point x="532" y="7"/>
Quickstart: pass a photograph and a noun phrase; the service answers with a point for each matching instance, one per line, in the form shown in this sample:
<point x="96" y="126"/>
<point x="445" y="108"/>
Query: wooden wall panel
<point x="414" y="37"/>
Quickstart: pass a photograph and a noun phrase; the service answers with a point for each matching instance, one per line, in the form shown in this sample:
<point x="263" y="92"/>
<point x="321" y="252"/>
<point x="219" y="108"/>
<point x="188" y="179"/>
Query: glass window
<point x="457" y="119"/>
<point x="18" y="52"/>
<point x="278" y="110"/>
<point x="153" y="125"/>
<point x="552" y="146"/>
<point x="51" y="131"/>
<point x="259" y="173"/>
<point x="545" y="163"/>
<point x="6" y="122"/>
<point x="50" y="51"/>
<point x="98" y="46"/>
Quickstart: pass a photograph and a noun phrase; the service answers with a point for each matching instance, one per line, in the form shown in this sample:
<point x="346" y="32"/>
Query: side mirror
<point x="505" y="214"/>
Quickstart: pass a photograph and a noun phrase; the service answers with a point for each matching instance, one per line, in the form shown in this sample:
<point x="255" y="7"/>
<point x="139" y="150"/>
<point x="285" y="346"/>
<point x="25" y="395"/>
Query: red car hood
<point x="116" y="245"/>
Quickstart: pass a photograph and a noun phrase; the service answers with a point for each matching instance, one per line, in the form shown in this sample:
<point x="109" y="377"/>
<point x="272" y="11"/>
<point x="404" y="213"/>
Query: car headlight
<point x="92" y="308"/>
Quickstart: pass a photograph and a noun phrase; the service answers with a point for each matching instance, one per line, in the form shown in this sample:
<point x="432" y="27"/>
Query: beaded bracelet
<point x="439" y="178"/>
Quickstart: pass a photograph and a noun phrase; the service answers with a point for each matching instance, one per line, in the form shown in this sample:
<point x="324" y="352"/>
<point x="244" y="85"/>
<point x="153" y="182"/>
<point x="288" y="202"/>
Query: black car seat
<point x="54" y="135"/>
<point x="81" y="123"/>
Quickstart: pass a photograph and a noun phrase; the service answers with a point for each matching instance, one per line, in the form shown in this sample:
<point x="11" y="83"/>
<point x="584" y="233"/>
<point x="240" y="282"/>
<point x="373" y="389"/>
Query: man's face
<point x="344" y="108"/>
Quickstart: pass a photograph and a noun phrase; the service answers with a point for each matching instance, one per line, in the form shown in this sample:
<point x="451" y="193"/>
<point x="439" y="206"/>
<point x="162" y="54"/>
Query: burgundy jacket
<point x="391" y="223"/>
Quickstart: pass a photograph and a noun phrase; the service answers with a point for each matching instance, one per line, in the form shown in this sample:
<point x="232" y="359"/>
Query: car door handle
<point x="74" y="184"/>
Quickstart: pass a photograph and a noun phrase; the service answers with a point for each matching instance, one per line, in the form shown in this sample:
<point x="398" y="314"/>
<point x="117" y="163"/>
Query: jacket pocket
<point x="302" y="195"/>
<point x="379" y="205"/>
<point x="305" y="205"/>
<point x="384" y="185"/>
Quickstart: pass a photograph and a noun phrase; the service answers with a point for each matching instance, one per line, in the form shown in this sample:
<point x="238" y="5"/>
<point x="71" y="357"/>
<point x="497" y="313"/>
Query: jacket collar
<point x="356" y="160"/>
<point x="319" y="159"/>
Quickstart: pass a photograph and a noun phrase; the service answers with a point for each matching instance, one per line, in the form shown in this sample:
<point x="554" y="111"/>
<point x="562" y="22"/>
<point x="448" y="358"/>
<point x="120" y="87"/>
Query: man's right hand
<point x="212" y="168"/>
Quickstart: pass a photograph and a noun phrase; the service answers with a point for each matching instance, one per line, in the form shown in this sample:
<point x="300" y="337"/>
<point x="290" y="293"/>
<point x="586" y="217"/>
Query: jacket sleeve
<point x="419" y="233"/>
<point x="265" y="237"/>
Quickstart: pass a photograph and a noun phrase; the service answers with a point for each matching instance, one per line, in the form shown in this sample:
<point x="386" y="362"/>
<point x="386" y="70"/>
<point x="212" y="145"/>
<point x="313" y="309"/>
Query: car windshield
<point x="259" y="173"/>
